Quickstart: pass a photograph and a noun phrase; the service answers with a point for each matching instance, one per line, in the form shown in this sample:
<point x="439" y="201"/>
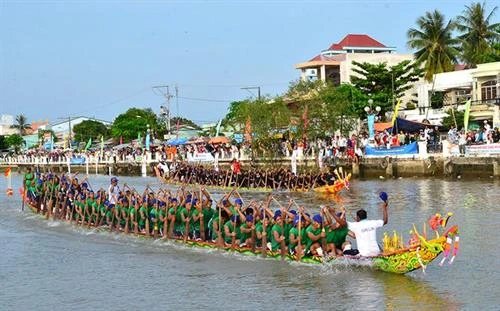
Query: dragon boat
<point x="418" y="255"/>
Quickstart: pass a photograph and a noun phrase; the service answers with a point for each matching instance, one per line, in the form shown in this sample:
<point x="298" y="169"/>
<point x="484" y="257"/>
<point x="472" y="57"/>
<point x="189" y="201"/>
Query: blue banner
<point x="407" y="149"/>
<point x="371" y="125"/>
<point x="148" y="140"/>
<point x="77" y="160"/>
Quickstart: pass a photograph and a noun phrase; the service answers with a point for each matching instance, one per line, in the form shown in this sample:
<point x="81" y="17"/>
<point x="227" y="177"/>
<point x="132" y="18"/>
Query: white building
<point x="481" y="85"/>
<point x="6" y="121"/>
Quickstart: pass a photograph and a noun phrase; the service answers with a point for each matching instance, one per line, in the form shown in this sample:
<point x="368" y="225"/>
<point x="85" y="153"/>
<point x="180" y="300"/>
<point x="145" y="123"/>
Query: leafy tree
<point x="492" y="56"/>
<point x="3" y="143"/>
<point x="21" y="124"/>
<point x="134" y="121"/>
<point x="15" y="141"/>
<point x="436" y="47"/>
<point x="90" y="129"/>
<point x="385" y="85"/>
<point x="437" y="99"/>
<point x="478" y="33"/>
<point x="449" y="121"/>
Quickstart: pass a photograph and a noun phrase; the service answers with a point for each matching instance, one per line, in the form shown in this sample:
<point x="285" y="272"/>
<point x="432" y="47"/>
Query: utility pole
<point x="248" y="88"/>
<point x="164" y="90"/>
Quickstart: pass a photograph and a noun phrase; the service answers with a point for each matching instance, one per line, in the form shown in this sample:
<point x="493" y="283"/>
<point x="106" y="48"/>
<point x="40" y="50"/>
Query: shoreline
<point x="369" y="168"/>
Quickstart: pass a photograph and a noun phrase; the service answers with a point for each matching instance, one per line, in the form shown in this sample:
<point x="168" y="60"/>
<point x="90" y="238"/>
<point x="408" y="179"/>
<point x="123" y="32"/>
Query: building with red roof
<point x="335" y="63"/>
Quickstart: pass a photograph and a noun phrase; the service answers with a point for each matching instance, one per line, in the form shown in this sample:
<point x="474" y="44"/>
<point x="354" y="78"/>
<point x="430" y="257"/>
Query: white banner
<point x="485" y="149"/>
<point x="200" y="157"/>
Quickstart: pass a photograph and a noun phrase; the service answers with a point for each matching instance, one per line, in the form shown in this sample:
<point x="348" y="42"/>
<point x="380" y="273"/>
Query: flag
<point x="89" y="143"/>
<point x="102" y="144"/>
<point x="121" y="139"/>
<point x="148" y="140"/>
<point x="51" y="142"/>
<point x="7" y="172"/>
<point x="466" y="115"/>
<point x="248" y="130"/>
<point x="139" y="140"/>
<point x="217" y="128"/>
<point x="396" y="112"/>
<point x="305" y="119"/>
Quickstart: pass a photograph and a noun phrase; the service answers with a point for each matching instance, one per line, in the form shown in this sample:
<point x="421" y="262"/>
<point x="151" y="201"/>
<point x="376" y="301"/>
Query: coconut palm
<point x="436" y="47"/>
<point x="478" y="33"/>
<point x="21" y="124"/>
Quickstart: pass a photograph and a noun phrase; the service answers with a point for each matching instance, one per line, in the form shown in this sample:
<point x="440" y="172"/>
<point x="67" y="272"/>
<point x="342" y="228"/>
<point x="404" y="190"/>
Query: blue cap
<point x="294" y="212"/>
<point x="113" y="179"/>
<point x="161" y="204"/>
<point x="318" y="218"/>
<point x="238" y="201"/>
<point x="235" y="218"/>
<point x="249" y="218"/>
<point x="296" y="219"/>
<point x="277" y="214"/>
<point x="188" y="202"/>
<point x="188" y="197"/>
<point x="91" y="192"/>
<point x="106" y="202"/>
<point x="383" y="196"/>
<point x="224" y="202"/>
<point x="82" y="196"/>
<point x="173" y="200"/>
<point x="194" y="201"/>
<point x="85" y="185"/>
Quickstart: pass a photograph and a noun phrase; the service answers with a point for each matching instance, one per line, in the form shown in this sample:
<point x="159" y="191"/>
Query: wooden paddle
<point x="299" y="250"/>
<point x="202" y="219"/>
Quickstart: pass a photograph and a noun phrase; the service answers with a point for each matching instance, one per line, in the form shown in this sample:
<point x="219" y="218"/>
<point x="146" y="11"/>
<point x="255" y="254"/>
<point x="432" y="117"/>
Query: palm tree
<point x="21" y="124"/>
<point x="436" y="47"/>
<point x="478" y="34"/>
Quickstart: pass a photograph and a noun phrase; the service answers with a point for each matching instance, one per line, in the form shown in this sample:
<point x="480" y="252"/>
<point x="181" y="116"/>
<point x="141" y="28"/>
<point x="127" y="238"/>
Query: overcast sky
<point x="99" y="58"/>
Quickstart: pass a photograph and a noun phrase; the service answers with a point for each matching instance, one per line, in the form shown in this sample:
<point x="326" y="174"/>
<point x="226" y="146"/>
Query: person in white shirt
<point x="365" y="230"/>
<point x="113" y="191"/>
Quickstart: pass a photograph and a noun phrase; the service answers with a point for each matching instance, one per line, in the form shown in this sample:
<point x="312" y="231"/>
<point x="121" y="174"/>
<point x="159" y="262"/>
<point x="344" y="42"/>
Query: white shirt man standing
<point x="366" y="230"/>
<point x="113" y="191"/>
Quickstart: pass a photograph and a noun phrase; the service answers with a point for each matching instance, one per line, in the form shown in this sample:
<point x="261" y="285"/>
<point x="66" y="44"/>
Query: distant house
<point x="481" y="85"/>
<point x="335" y="63"/>
<point x="6" y="121"/>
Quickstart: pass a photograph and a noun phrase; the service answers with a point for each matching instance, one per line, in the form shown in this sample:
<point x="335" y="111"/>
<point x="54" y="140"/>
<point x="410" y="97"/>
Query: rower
<point x="246" y="231"/>
<point x="277" y="235"/>
<point x="314" y="235"/>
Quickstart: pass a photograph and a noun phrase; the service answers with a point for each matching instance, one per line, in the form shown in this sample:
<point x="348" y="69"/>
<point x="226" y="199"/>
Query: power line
<point x="207" y="99"/>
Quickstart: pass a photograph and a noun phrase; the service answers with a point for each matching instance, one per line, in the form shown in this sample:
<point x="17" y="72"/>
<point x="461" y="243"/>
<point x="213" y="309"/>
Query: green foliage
<point x="381" y="83"/>
<point x="436" y="48"/>
<point x="21" y="124"/>
<point x="90" y="129"/>
<point x="3" y="143"/>
<point x="15" y="141"/>
<point x="478" y="33"/>
<point x="449" y="121"/>
<point x="437" y="99"/>
<point x="134" y="121"/>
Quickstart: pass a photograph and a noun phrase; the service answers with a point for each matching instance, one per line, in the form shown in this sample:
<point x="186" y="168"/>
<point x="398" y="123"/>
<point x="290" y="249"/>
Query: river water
<point x="47" y="265"/>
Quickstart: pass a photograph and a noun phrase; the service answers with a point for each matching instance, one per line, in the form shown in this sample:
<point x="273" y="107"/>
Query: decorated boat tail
<point x="342" y="182"/>
<point x="396" y="258"/>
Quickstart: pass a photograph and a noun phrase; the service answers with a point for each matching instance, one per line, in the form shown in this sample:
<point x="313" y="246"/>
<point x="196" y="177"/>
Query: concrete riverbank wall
<point x="376" y="167"/>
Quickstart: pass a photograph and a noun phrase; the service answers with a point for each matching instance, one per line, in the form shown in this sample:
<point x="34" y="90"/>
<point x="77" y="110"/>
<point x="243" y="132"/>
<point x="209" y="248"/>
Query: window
<point x="489" y="90"/>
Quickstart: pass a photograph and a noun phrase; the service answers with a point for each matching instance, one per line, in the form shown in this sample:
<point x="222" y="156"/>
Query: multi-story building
<point x="481" y="85"/>
<point x="335" y="63"/>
